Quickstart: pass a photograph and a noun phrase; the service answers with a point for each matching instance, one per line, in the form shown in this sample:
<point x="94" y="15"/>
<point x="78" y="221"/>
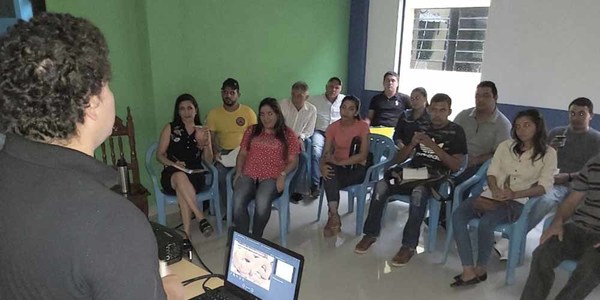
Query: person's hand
<point x="202" y="135"/>
<point x="554" y="229"/>
<point x="180" y="163"/>
<point x="173" y="287"/>
<point x="217" y="155"/>
<point x="561" y="178"/>
<point x="472" y="160"/>
<point x="597" y="246"/>
<point x="327" y="171"/>
<point x="425" y="140"/>
<point x="495" y="192"/>
<point x="416" y="139"/>
<point x="280" y="183"/>
<point x="397" y="176"/>
<point x="506" y="194"/>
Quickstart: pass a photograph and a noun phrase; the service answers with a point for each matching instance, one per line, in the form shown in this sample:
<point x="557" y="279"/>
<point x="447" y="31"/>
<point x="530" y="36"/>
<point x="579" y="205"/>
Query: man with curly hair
<point x="65" y="234"/>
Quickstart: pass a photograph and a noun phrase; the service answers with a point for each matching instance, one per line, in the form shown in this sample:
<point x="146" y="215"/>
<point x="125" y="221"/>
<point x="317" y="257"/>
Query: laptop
<point x="258" y="269"/>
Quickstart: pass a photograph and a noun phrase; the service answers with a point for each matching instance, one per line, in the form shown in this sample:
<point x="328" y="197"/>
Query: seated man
<point x="575" y="144"/>
<point x="227" y="124"/>
<point x="385" y="108"/>
<point x="300" y="116"/>
<point x="328" y="111"/>
<point x="441" y="148"/>
<point x="573" y="235"/>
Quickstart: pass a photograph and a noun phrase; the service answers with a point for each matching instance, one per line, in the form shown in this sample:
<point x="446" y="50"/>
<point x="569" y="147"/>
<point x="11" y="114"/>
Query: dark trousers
<point x="577" y="244"/>
<point x="343" y="177"/>
<point x="416" y="213"/>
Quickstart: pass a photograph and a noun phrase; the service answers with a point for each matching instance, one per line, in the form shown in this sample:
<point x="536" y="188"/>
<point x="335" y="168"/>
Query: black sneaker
<point x="296" y="197"/>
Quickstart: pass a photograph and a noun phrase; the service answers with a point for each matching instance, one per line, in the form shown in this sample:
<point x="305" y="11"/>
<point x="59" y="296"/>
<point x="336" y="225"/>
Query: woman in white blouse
<point x="522" y="167"/>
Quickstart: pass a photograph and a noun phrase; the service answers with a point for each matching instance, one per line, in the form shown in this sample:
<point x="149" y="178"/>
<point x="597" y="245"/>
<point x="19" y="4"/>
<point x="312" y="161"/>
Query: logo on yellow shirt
<point x="240" y="121"/>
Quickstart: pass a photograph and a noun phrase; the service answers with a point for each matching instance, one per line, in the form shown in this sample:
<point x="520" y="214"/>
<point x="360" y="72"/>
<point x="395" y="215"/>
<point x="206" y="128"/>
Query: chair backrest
<point x="382" y="149"/>
<point x="116" y="148"/>
<point x="481" y="176"/>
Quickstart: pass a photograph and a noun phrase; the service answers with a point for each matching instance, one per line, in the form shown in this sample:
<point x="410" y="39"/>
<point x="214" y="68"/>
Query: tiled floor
<point x="333" y="271"/>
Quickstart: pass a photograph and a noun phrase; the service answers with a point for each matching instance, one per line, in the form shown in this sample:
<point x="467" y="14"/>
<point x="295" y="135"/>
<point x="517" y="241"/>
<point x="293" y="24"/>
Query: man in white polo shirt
<point x="328" y="111"/>
<point x="301" y="117"/>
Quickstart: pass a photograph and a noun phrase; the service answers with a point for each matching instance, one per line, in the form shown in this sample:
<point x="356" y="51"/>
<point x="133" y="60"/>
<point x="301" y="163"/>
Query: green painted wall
<point x="160" y="49"/>
<point x="266" y="45"/>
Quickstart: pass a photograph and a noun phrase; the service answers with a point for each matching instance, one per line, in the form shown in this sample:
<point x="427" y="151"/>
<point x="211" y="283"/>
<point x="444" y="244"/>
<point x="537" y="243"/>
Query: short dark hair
<point x="300" y="85"/>
<point x="50" y="67"/>
<point x="390" y="73"/>
<point x="490" y="85"/>
<point x="440" y="97"/>
<point x="332" y="79"/>
<point x="181" y="98"/>
<point x="583" y="101"/>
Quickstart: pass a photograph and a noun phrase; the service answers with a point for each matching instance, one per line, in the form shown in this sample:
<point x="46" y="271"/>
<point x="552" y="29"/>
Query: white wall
<point x="383" y="54"/>
<point x="543" y="53"/>
<point x="383" y="39"/>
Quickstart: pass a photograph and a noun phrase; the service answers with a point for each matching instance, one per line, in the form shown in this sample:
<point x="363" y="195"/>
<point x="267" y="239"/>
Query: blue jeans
<point x="485" y="235"/>
<point x="416" y="211"/>
<point x="545" y="204"/>
<point x="318" y="142"/>
<point x="223" y="170"/>
<point x="577" y="244"/>
<point x="246" y="189"/>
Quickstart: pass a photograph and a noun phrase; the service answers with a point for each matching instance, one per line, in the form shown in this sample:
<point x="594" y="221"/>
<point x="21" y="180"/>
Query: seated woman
<point x="414" y="119"/>
<point x="184" y="143"/>
<point x="344" y="158"/>
<point x="522" y="167"/>
<point x="268" y="152"/>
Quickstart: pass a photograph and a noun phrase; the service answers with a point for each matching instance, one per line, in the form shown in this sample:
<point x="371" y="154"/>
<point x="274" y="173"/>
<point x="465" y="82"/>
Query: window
<point x="449" y="39"/>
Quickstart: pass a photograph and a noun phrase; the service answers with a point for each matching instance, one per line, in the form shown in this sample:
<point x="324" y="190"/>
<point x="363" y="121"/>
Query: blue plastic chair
<point x="567" y="265"/>
<point x="516" y="231"/>
<point x="434" y="206"/>
<point x="384" y="151"/>
<point x="281" y="204"/>
<point x="211" y="193"/>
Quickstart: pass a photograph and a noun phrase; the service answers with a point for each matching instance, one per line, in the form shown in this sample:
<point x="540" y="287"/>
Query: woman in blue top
<point x="186" y="144"/>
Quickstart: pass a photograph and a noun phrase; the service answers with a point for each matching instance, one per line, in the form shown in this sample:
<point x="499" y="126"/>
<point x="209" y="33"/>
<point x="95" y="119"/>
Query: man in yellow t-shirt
<point x="227" y="124"/>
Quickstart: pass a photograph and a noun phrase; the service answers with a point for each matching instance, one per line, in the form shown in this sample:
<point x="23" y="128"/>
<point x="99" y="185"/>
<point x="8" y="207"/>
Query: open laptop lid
<point x="259" y="269"/>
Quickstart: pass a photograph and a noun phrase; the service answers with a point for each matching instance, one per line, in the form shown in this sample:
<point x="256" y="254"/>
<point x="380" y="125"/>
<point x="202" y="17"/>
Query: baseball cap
<point x="230" y="83"/>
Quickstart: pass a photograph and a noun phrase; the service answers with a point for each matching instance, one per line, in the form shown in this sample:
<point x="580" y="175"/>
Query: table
<point x="187" y="270"/>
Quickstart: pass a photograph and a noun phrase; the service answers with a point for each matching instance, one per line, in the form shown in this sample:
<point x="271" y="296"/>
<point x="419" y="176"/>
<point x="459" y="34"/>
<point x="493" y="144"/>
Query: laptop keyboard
<point x="218" y="294"/>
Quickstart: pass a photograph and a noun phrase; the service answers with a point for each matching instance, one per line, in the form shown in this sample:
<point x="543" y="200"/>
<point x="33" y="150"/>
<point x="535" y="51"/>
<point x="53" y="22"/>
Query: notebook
<point x="258" y="269"/>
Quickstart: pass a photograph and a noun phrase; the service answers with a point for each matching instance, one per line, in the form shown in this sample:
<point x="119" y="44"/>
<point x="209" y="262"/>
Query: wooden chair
<point x="115" y="147"/>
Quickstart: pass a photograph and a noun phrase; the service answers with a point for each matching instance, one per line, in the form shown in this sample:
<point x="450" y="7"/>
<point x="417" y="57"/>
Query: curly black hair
<point x="49" y="68"/>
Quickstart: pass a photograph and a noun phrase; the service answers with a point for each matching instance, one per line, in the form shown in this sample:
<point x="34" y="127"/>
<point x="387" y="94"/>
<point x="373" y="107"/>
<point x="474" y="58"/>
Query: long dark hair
<point x="539" y="138"/>
<point x="181" y="98"/>
<point x="356" y="102"/>
<point x="280" y="128"/>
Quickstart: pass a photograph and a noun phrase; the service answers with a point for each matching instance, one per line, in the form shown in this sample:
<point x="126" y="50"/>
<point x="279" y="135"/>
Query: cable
<point x="195" y="252"/>
<point x="205" y="276"/>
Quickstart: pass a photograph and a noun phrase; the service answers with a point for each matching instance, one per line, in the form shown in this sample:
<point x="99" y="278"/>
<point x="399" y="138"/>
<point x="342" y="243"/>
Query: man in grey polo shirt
<point x="485" y="127"/>
<point x="573" y="235"/>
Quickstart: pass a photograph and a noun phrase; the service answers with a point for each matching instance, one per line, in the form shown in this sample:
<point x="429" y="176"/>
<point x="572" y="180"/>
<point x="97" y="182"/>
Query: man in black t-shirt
<point x="65" y="234"/>
<point x="441" y="149"/>
<point x="385" y="108"/>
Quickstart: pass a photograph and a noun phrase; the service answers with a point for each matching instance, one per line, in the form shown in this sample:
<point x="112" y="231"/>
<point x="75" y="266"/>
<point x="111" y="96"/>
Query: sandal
<point x="205" y="228"/>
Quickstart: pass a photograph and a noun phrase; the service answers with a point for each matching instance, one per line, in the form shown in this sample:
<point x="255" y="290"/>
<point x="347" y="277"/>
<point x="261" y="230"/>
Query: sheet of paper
<point x="228" y="160"/>
<point x="410" y="173"/>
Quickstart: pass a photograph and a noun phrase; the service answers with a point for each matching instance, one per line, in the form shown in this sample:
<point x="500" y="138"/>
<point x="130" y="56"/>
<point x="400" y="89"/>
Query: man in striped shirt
<point x="573" y="235"/>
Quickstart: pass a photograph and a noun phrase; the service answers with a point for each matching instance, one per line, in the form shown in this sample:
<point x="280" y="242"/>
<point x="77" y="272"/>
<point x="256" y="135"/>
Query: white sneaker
<point x="501" y="248"/>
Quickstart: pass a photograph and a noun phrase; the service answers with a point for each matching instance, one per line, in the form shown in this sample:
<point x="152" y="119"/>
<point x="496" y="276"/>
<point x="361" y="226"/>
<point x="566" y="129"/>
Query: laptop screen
<point x="263" y="269"/>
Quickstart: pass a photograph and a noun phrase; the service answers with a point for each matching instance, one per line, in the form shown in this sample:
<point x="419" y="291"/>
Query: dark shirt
<point x="65" y="234"/>
<point x="182" y="147"/>
<point x="407" y="126"/>
<point x="388" y="110"/>
<point x="579" y="148"/>
<point x="451" y="138"/>
<point x="587" y="214"/>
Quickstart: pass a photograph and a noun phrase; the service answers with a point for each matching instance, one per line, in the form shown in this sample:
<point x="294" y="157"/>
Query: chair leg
<point x="160" y="209"/>
<point x="361" y="198"/>
<point x="434" y="217"/>
<point x="321" y="194"/>
<point x="283" y="226"/>
<point x="351" y="195"/>
<point x="514" y="254"/>
<point x="214" y="201"/>
<point x="449" y="233"/>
